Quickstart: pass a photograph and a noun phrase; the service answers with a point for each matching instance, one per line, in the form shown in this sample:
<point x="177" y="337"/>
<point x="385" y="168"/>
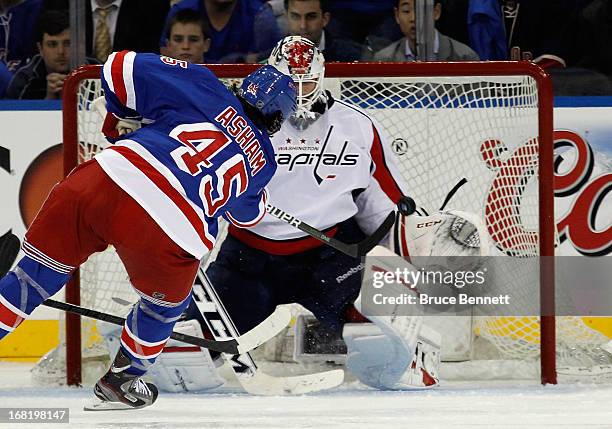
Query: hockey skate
<point x="118" y="390"/>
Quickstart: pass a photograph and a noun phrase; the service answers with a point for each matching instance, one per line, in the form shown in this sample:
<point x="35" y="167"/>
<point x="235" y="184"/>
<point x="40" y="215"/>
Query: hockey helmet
<point x="270" y="92"/>
<point x="301" y="59"/>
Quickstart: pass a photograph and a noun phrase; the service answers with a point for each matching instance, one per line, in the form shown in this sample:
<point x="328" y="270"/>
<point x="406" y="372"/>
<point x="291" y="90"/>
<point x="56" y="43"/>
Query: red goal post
<point x="375" y="72"/>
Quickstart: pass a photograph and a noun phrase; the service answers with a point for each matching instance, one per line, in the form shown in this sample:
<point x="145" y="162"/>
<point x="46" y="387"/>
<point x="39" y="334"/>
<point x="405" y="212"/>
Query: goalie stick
<point x="236" y="345"/>
<point x="252" y="379"/>
<point x="406" y="206"/>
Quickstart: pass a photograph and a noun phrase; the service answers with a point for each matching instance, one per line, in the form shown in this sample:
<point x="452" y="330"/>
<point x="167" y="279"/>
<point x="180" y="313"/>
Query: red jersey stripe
<point x="382" y="174"/>
<point x="117" y="75"/>
<point x="166" y="187"/>
<point x="139" y="349"/>
<point x="8" y="317"/>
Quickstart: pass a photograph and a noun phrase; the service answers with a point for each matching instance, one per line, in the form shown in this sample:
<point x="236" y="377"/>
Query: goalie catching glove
<point x="457" y="236"/>
<point x="114" y="127"/>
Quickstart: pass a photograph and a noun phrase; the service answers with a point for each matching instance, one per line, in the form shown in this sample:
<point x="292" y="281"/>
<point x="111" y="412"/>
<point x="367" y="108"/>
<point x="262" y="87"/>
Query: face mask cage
<point x="306" y="97"/>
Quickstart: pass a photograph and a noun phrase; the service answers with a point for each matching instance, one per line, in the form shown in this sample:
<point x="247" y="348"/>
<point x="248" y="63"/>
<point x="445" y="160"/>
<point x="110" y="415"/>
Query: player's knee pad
<point x="146" y="331"/>
<point x="24" y="289"/>
<point x="180" y="367"/>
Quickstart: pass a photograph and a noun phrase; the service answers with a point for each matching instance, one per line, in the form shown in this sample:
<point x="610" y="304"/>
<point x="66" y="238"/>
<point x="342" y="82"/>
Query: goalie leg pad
<point x="378" y="361"/>
<point x="371" y="356"/>
<point x="423" y="372"/>
<point x="183" y="368"/>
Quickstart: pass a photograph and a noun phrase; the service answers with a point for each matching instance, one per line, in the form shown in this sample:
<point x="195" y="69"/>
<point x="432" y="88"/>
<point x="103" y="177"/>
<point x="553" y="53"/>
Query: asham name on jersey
<point x="237" y="126"/>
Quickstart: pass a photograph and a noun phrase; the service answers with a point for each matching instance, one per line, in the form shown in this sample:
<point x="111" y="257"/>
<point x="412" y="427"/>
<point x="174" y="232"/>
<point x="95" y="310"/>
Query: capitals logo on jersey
<point x="317" y="156"/>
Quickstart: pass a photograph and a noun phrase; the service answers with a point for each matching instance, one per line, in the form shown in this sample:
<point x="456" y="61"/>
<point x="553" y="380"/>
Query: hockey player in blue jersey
<point x="201" y="153"/>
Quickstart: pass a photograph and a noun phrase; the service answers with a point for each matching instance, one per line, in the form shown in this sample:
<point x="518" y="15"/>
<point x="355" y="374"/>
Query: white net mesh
<point x="472" y="138"/>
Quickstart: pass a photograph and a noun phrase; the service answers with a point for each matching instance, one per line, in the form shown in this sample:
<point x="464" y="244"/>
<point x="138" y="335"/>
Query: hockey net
<point x="487" y="123"/>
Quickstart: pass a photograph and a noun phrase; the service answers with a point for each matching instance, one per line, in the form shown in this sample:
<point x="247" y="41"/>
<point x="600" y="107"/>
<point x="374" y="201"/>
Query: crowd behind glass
<point x="568" y="38"/>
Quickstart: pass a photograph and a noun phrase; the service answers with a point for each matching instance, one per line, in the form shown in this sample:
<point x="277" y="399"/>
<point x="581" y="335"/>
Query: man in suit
<point x="445" y="48"/>
<point x="116" y="25"/>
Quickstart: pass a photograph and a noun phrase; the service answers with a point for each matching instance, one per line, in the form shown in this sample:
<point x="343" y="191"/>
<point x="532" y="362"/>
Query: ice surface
<point x="455" y="405"/>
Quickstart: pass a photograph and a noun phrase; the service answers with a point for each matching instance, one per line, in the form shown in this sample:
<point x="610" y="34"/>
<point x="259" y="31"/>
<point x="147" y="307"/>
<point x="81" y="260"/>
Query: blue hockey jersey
<point x="199" y="156"/>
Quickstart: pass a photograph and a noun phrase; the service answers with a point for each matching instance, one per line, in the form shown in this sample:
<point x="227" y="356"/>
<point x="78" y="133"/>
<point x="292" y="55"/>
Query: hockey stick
<point x="239" y="344"/>
<point x="9" y="248"/>
<point x="252" y="379"/>
<point x="355" y="250"/>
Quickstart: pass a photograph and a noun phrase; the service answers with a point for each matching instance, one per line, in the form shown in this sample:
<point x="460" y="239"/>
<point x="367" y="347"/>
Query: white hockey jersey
<point x="339" y="167"/>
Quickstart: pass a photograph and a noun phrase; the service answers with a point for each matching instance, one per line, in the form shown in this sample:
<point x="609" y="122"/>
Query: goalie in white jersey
<point x="336" y="173"/>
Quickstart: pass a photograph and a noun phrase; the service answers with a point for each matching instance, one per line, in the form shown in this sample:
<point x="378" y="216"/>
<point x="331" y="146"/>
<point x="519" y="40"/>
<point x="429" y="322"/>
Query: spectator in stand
<point x="43" y="77"/>
<point x="188" y="37"/>
<point x="366" y="22"/>
<point x="124" y="24"/>
<point x="308" y="18"/>
<point x="17" y="19"/>
<point x="445" y="48"/>
<point x="241" y="30"/>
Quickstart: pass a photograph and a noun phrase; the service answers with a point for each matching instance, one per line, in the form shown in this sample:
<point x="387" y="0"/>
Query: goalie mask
<point x="302" y="60"/>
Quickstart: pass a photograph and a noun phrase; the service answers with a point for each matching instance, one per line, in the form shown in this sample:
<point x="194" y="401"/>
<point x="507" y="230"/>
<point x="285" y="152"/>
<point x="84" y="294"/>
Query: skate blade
<point x="99" y="405"/>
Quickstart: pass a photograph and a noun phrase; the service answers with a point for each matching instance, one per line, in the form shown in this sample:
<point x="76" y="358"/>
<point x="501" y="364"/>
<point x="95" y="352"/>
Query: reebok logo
<point x="117" y="369"/>
<point x="350" y="272"/>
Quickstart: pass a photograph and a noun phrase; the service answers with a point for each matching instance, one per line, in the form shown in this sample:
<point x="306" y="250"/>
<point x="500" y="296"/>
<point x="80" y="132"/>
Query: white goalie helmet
<point x="301" y="59"/>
